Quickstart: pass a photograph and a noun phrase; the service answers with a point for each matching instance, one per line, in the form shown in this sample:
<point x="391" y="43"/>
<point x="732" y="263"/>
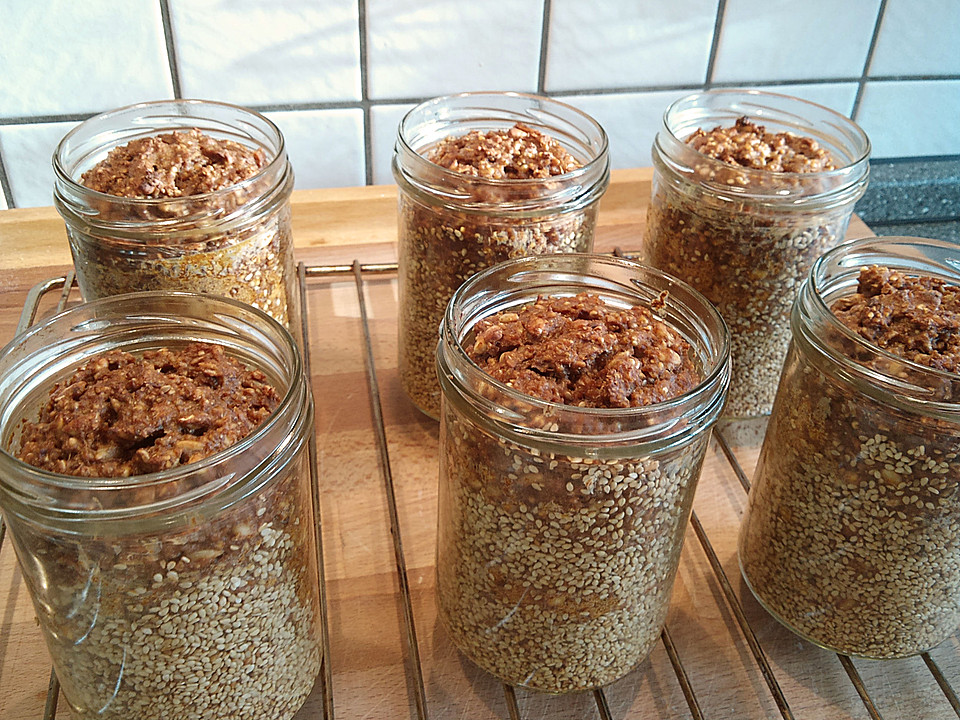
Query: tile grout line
<point x="638" y="89"/>
<point x="714" y="44"/>
<point x="622" y="90"/>
<point x="365" y="105"/>
<point x="171" y="48"/>
<point x="544" y="48"/>
<point x="41" y="119"/>
<point x="868" y="60"/>
<point x="5" y="185"/>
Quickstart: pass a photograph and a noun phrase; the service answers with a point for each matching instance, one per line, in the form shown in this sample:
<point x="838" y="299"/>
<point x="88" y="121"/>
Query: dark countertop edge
<point x="907" y="191"/>
<point x="947" y="230"/>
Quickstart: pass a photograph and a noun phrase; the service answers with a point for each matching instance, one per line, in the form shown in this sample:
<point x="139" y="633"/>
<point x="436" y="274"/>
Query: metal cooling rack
<point x="414" y="666"/>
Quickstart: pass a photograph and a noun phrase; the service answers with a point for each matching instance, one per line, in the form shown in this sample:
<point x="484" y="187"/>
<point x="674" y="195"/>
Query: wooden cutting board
<point x="373" y="670"/>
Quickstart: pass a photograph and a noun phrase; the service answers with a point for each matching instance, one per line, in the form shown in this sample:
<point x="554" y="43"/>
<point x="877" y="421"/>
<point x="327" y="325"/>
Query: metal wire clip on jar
<point x="745" y="237"/>
<point x="235" y="241"/>
<point x="560" y="527"/>
<point x="851" y="537"/>
<point x="452" y="225"/>
<point x="186" y="592"/>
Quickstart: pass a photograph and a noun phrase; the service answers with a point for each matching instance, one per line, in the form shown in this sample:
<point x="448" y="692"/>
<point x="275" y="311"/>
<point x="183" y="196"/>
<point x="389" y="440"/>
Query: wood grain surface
<point x="371" y="667"/>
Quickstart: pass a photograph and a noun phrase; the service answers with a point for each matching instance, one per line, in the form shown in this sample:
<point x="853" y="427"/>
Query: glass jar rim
<point x="751" y="98"/>
<point x="840" y="135"/>
<point x="716" y="368"/>
<point x="275" y="165"/>
<point x="26" y="474"/>
<point x="597" y="163"/>
<point x="837" y="270"/>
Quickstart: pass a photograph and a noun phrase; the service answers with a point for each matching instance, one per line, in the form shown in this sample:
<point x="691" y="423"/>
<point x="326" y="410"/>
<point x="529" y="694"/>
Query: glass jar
<point x="187" y="592"/>
<point x="851" y="536"/>
<point x="235" y="242"/>
<point x="746" y="238"/>
<point x="560" y="527"/>
<point x="452" y="225"/>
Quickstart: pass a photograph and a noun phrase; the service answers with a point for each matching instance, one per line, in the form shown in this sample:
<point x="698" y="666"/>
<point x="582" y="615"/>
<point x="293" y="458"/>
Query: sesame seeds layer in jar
<point x="554" y="570"/>
<point x="748" y="255"/>
<point x="851" y="536"/>
<point x="211" y="614"/>
<point x="217" y="621"/>
<point x="190" y="215"/>
<point x="441" y="245"/>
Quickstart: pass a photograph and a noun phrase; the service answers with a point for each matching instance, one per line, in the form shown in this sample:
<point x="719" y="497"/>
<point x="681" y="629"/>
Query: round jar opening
<point x="52" y="350"/>
<point x="889" y="377"/>
<point x="842" y="138"/>
<point x="89" y="143"/>
<point x="433" y="121"/>
<point x="619" y="283"/>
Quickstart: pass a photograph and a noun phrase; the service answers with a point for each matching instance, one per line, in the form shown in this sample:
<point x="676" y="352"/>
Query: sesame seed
<point x="580" y="585"/>
<point x="849" y="537"/>
<point x="231" y="634"/>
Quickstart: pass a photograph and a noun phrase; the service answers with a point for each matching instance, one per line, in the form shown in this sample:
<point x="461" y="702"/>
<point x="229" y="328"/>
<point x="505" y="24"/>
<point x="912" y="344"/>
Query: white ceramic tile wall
<point x="63" y="57"/>
<point x="253" y="53"/>
<point x="27" y="158"/>
<point x="318" y="162"/>
<point x="918" y="38"/>
<point x="839" y="97"/>
<point x="422" y="48"/>
<point x="384" y="121"/>
<point x="912" y="118"/>
<point x="337" y="75"/>
<point x="631" y="121"/>
<point x="776" y="40"/>
<point x="608" y="44"/>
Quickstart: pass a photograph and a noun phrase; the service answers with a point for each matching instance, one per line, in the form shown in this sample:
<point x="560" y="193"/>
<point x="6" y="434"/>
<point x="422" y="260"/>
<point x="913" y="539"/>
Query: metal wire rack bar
<point x="511" y="698"/>
<point x="602" y="706"/>
<point x="732" y="460"/>
<point x="754" y="644"/>
<point x="942" y="683"/>
<point x="326" y="669"/>
<point x="695" y="712"/>
<point x="53" y="697"/>
<point x="414" y="664"/>
<point x="860" y="687"/>
<point x="413" y="647"/>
